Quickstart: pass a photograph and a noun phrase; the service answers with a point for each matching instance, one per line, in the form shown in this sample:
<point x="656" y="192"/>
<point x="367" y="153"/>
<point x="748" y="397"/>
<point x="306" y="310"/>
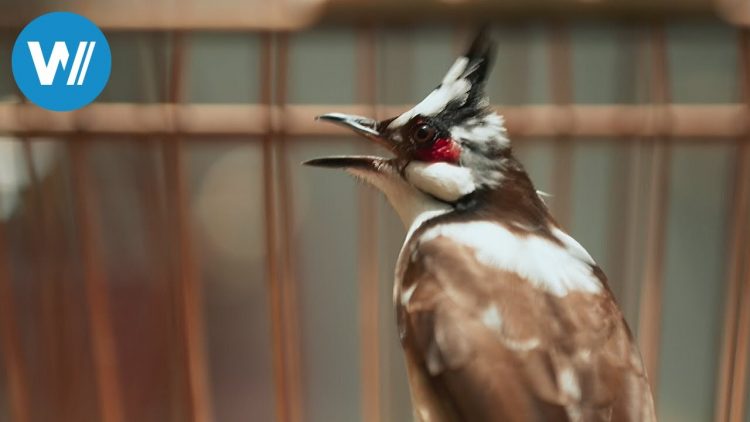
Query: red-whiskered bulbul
<point x="502" y="315"/>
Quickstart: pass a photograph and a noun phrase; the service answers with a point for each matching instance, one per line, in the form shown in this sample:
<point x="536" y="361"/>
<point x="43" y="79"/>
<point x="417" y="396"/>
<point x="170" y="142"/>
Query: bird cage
<point x="164" y="256"/>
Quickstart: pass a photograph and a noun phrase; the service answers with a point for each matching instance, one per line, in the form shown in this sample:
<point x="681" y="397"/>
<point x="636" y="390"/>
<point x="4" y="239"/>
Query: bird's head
<point x="447" y="147"/>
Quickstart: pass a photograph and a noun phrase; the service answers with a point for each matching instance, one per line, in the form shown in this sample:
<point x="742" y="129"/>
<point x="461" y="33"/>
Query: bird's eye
<point x="424" y="133"/>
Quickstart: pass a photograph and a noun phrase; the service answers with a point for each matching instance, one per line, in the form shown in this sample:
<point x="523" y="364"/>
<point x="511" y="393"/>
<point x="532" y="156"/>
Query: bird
<point x="502" y="315"/>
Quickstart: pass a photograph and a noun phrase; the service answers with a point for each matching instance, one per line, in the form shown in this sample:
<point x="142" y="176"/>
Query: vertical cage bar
<point x="155" y="211"/>
<point x="653" y="277"/>
<point x="185" y="266"/>
<point x="62" y="336"/>
<point x="272" y="259"/>
<point x="622" y="229"/>
<point x="739" y="385"/>
<point x="369" y="288"/>
<point x="152" y="211"/>
<point x="287" y="273"/>
<point x="634" y="221"/>
<point x="95" y="281"/>
<point x="632" y="230"/>
<point x="11" y="340"/>
<point x="738" y="374"/>
<point x="742" y="345"/>
<point x="46" y="293"/>
<point x="188" y="289"/>
<point x="49" y="293"/>
<point x="561" y="83"/>
<point x="738" y="244"/>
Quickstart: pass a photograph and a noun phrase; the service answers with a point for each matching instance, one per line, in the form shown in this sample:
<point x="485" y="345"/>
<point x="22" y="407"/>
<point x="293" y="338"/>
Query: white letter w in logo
<point x="46" y="71"/>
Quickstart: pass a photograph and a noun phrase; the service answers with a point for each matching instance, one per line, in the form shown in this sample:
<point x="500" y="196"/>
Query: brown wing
<point x="488" y="345"/>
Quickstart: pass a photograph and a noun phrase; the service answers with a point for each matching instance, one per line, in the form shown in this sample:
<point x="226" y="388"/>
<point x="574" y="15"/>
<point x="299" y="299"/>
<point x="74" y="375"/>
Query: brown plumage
<point x="552" y="359"/>
<point x="502" y="316"/>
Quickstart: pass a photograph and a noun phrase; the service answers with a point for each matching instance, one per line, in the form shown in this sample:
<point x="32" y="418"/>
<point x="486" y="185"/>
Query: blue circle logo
<point x="61" y="61"/>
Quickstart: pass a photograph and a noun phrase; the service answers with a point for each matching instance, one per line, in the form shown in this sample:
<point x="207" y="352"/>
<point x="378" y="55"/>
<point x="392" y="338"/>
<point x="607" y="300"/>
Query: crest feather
<point x="463" y="84"/>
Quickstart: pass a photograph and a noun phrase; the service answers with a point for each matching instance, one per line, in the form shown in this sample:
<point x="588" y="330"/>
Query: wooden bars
<point x="369" y="280"/>
<point x="589" y="121"/>
<point x="653" y="273"/>
<point x="104" y="348"/>
<point x="731" y="384"/>
<point x="143" y="15"/>
<point x="184" y="270"/>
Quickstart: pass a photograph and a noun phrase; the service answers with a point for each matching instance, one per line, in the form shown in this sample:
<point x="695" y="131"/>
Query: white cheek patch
<point x="558" y="269"/>
<point x="445" y="181"/>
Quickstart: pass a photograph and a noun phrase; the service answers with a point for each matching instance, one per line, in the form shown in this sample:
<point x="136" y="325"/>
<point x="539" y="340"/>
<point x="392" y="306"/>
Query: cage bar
<point x="620" y="121"/>
<point x="152" y="209"/>
<point x="561" y="83"/>
<point x="45" y="237"/>
<point x="15" y="368"/>
<point x="290" y="317"/>
<point x="738" y="405"/>
<point x="369" y="280"/>
<point x="102" y="338"/>
<point x="742" y="346"/>
<point x="653" y="277"/>
<point x="632" y="227"/>
<point x="731" y="388"/>
<point x="188" y="288"/>
<point x="287" y="15"/>
<point x="738" y="232"/>
<point x="272" y="259"/>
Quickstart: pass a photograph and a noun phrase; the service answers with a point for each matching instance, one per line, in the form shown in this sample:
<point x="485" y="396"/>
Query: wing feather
<point x="491" y="346"/>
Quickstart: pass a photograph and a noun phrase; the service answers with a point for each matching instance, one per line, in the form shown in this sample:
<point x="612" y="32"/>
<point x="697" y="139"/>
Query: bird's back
<point x="499" y="324"/>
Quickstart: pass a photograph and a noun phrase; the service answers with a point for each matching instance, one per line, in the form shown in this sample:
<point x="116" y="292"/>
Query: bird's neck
<point x="513" y="203"/>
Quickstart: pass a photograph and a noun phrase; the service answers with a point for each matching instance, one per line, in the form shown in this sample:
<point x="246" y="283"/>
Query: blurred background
<point x="165" y="257"/>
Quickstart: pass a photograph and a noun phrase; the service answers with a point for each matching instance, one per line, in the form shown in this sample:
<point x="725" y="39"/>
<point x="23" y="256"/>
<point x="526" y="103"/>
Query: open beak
<point x="363" y="126"/>
<point x="360" y="125"/>
<point x="363" y="163"/>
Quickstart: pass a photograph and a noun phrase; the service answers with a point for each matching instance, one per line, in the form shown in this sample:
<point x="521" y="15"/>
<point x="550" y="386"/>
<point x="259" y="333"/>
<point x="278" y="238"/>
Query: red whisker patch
<point x="442" y="150"/>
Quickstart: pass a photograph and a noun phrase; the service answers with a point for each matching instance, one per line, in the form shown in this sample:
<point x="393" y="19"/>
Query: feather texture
<point x="486" y="344"/>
